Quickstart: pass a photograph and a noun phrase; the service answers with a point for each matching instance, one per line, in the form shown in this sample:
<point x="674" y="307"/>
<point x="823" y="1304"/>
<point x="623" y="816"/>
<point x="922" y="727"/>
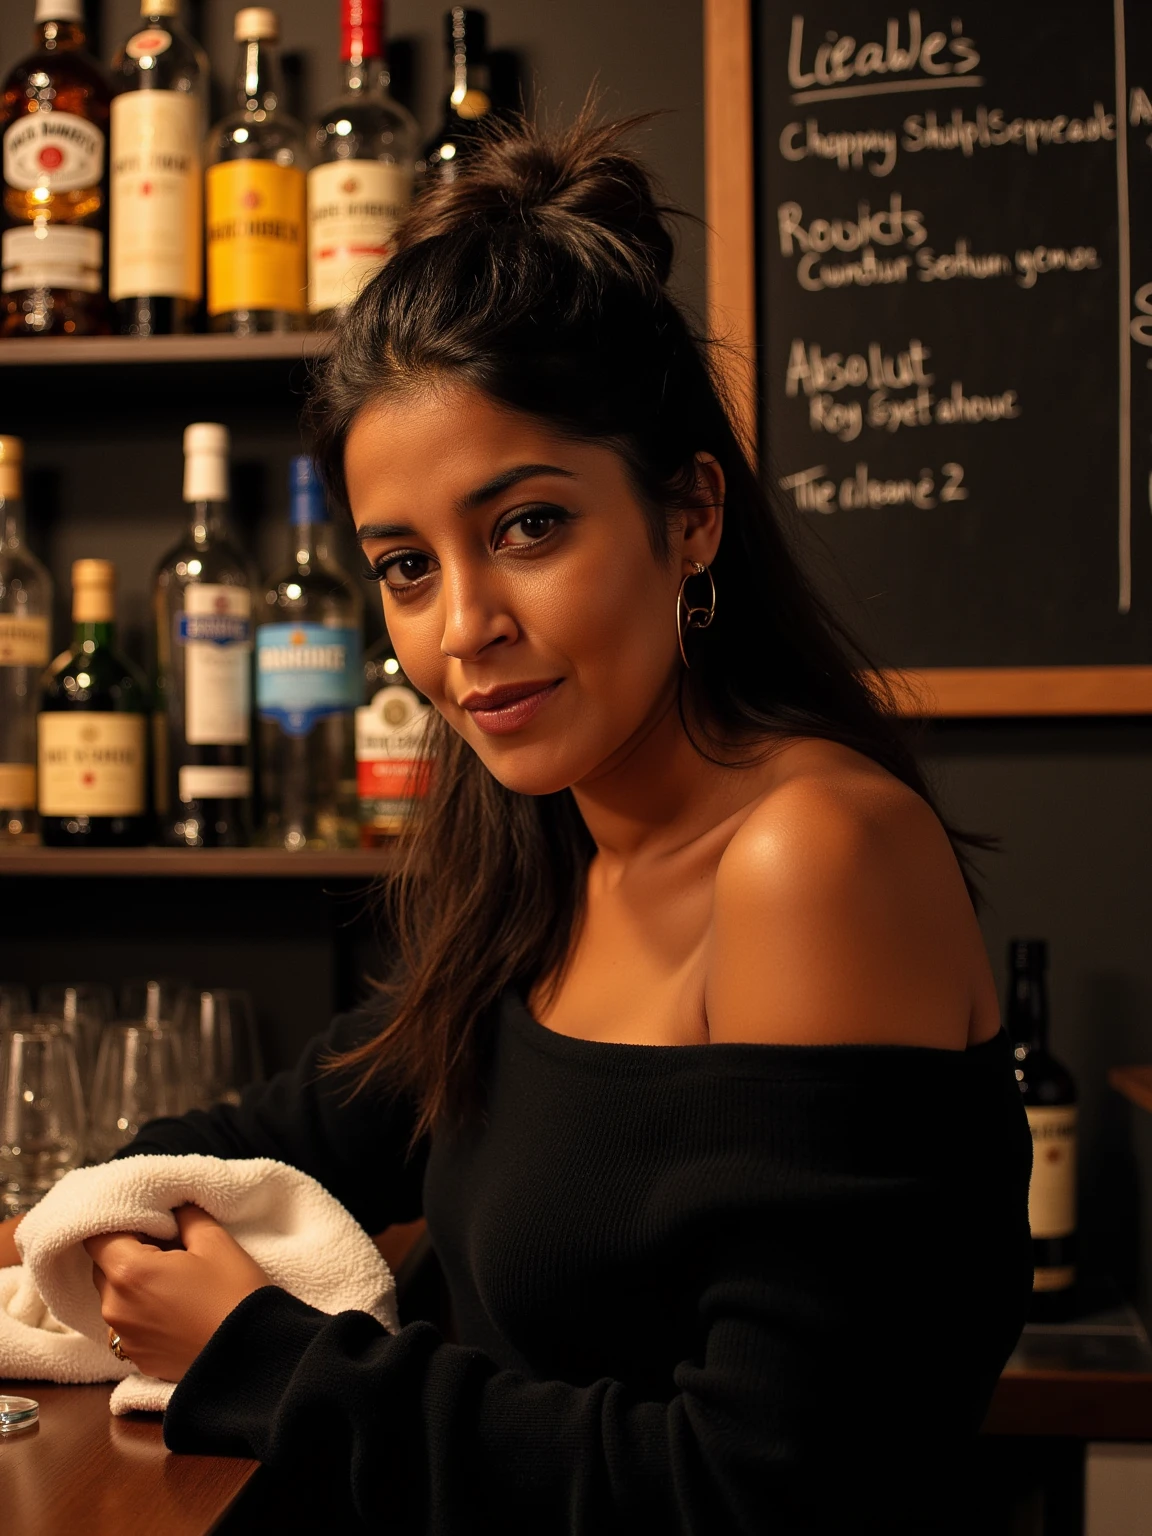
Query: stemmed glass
<point x="141" y="1074"/>
<point x="219" y="1025"/>
<point x="83" y="1008"/>
<point x="41" y="1111"/>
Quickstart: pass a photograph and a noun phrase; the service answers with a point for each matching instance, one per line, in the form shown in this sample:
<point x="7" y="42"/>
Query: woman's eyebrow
<point x="504" y="481"/>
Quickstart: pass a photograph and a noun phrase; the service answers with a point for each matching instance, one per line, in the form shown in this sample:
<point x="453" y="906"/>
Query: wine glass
<point x="141" y="1074"/>
<point x="220" y="1025"/>
<point x="151" y="999"/>
<point x="83" y="1007"/>
<point x="41" y="1111"/>
<point x="15" y="1002"/>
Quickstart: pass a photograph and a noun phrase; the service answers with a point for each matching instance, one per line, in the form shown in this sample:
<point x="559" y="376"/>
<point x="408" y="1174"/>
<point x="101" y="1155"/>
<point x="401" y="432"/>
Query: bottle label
<point x="154" y="241"/>
<point x="200" y="781"/>
<point x="146" y="44"/>
<point x="51" y="256"/>
<point x="57" y="151"/>
<point x="23" y="642"/>
<point x="1052" y="1192"/>
<point x="91" y="763"/>
<point x="391" y="760"/>
<point x="353" y="207"/>
<point x="256" y="254"/>
<point x="305" y="671"/>
<point x="216" y="632"/>
<point x="17" y="786"/>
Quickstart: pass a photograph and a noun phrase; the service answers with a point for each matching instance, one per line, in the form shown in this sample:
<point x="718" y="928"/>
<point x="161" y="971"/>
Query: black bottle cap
<point x="466" y="25"/>
<point x="1028" y="954"/>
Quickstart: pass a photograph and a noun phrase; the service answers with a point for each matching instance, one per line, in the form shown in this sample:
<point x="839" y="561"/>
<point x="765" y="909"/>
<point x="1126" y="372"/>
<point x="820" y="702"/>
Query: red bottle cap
<point x="362" y="29"/>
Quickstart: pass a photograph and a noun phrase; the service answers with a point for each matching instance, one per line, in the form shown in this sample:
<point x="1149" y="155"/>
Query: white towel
<point x="300" y="1235"/>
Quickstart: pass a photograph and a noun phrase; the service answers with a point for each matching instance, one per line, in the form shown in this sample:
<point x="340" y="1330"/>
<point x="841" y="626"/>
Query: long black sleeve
<point x="829" y="1245"/>
<point x="357" y="1151"/>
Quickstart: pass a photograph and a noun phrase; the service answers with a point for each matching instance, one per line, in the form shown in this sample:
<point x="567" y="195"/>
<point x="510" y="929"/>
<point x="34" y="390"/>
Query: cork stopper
<point x="159" y="7"/>
<point x="59" y="10"/>
<point x="93" y="592"/>
<point x="256" y="24"/>
<point x="11" y="468"/>
<point x="205" y="462"/>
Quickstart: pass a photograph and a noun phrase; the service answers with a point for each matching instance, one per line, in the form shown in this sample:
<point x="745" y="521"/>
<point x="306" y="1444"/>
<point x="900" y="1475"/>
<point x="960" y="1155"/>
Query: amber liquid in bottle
<point x="54" y="125"/>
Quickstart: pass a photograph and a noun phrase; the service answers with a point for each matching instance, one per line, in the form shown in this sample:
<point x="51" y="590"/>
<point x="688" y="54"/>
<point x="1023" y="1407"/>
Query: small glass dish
<point x="17" y="1413"/>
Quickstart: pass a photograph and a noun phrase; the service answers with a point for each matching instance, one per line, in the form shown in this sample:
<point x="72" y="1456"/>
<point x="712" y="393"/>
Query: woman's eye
<point x="403" y="570"/>
<point x="530" y="527"/>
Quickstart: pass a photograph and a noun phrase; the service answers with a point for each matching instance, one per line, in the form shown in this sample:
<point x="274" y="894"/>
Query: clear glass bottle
<point x="1049" y="1095"/>
<point x="156" y="193"/>
<point x="92" y="732"/>
<point x="54" y="122"/>
<point x="393" y="768"/>
<point x="25" y="638"/>
<point x="203" y="610"/>
<point x="255" y="193"/>
<point x="308" y="683"/>
<point x="363" y="149"/>
<point x="469" y="95"/>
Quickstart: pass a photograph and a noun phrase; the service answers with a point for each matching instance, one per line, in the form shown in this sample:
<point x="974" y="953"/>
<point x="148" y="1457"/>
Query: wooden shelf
<point x="77" y="351"/>
<point x="1134" y="1083"/>
<point x="203" y="863"/>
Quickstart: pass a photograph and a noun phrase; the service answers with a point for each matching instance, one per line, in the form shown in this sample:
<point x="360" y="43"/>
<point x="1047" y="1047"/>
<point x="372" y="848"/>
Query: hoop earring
<point x="686" y="614"/>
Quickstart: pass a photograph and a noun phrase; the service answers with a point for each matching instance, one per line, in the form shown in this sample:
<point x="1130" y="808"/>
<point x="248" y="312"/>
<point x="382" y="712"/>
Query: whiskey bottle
<point x="93" y="728"/>
<point x="360" y="183"/>
<point x="308" y="684"/>
<point x="1050" y="1101"/>
<point x="54" y="118"/>
<point x="469" y="95"/>
<point x="25" y="619"/>
<point x="203" y="607"/>
<point x="158" y="124"/>
<point x="392" y="763"/>
<point x="257" y="271"/>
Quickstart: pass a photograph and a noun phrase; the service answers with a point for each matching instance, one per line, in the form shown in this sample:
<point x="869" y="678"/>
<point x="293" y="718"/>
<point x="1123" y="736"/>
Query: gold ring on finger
<point x="114" y="1344"/>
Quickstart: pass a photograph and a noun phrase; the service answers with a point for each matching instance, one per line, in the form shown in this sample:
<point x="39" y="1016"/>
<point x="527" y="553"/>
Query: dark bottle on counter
<point x="204" y="664"/>
<point x="1050" y="1099"/>
<point x="93" y="729"/>
<point x="469" y="96"/>
<point x="54" y="125"/>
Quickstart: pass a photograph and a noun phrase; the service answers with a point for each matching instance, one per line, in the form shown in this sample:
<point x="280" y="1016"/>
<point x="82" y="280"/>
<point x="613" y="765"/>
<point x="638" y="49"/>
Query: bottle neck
<point x="59" y="36"/>
<point x="207" y="521"/>
<point x="11" y="523"/>
<point x="1027" y="1020"/>
<point x="259" y="82"/>
<point x="309" y="542"/>
<point x="87" y="634"/>
<point x="365" y="77"/>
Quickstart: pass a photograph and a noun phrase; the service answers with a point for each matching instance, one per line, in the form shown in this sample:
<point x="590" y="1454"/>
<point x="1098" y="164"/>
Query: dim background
<point x="1071" y="802"/>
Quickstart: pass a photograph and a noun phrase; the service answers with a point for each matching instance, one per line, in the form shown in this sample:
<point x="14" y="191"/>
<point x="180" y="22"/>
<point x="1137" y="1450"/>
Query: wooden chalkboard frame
<point x="730" y="205"/>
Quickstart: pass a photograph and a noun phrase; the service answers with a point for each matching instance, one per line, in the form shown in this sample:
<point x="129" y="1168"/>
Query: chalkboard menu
<point x="954" y="231"/>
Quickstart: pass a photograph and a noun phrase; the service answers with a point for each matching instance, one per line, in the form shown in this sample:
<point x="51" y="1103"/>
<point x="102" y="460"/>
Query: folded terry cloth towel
<point x="300" y="1235"/>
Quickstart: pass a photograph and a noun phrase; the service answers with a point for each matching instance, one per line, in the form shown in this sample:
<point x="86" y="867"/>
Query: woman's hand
<point x="167" y="1303"/>
<point x="9" y="1253"/>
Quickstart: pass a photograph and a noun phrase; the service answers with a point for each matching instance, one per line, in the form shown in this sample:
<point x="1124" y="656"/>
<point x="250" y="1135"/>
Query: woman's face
<point x="519" y="585"/>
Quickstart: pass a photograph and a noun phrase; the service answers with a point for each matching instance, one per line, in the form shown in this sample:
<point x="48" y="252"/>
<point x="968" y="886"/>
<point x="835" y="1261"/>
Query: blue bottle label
<point x="304" y="672"/>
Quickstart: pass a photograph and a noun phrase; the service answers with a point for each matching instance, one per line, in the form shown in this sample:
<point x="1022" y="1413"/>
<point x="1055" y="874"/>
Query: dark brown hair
<point x="539" y="277"/>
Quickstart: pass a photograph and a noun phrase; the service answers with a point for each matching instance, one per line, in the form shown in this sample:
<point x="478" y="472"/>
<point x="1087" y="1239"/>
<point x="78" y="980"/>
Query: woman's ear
<point x="704" y="517"/>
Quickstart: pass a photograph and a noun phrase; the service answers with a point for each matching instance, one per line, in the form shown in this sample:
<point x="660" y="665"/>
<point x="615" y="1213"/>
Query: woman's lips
<point x="504" y="718"/>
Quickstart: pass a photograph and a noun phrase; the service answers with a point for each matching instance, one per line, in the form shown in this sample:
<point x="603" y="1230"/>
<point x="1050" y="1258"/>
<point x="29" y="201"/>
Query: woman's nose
<point x="475" y="617"/>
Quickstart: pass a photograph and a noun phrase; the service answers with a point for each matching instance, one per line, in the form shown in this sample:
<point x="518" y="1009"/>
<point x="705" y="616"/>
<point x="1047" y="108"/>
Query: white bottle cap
<point x="159" y="7"/>
<point x="59" y="10"/>
<point x="255" y="23"/>
<point x="206" y="462"/>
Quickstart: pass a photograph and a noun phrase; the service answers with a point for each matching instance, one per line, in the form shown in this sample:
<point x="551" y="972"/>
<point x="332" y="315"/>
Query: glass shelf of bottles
<point x="73" y="351"/>
<point x="256" y="863"/>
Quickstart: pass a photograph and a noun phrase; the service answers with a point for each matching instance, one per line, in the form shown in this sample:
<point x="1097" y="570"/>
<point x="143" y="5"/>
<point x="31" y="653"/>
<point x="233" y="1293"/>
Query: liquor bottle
<point x="257" y="276"/>
<point x="158" y="124"/>
<point x="469" y="95"/>
<point x="393" y="768"/>
<point x="362" y="146"/>
<point x="308" y="684"/>
<point x="1050" y="1100"/>
<point x="93" y="728"/>
<point x="204" y="664"/>
<point x="25" y="620"/>
<point x="54" y="117"/>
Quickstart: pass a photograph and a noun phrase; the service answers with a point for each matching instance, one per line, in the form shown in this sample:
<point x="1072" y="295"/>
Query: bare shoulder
<point x="840" y="914"/>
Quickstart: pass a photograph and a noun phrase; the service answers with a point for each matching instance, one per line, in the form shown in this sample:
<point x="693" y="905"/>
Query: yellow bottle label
<point x="23" y="642"/>
<point x="353" y="207"/>
<point x="256" y="245"/>
<point x="91" y="763"/>
<point x="154" y="243"/>
<point x="1052" y="1192"/>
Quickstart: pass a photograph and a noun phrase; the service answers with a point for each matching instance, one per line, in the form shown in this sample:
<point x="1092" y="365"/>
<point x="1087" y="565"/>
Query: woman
<point x="692" y="1058"/>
